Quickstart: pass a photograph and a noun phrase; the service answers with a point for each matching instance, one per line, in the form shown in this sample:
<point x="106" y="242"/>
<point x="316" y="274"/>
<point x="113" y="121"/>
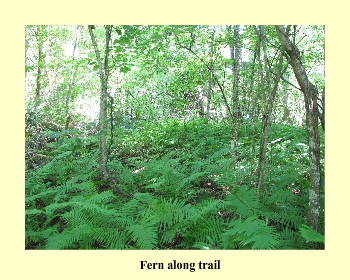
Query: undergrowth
<point x="186" y="191"/>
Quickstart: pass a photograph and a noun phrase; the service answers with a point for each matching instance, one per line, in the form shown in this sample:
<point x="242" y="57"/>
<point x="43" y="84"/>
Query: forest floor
<point x="184" y="189"/>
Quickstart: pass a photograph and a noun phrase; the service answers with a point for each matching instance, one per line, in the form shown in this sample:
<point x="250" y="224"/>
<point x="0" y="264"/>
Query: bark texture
<point x="103" y="71"/>
<point x="269" y="100"/>
<point x="310" y="98"/>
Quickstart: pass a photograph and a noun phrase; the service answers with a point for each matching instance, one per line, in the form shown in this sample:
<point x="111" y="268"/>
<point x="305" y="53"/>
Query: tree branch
<point x="210" y="70"/>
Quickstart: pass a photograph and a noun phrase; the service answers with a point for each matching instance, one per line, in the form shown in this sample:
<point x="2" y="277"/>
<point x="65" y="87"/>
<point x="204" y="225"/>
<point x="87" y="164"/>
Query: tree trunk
<point x="235" y="49"/>
<point x="71" y="81"/>
<point x="285" y="96"/>
<point x="103" y="71"/>
<point x="266" y="119"/>
<point x="321" y="110"/>
<point x="310" y="98"/>
<point x="41" y="61"/>
<point x="210" y="82"/>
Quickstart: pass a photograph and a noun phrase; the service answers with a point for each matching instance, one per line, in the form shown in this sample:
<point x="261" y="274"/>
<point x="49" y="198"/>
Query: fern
<point x="290" y="239"/>
<point x="169" y="208"/>
<point x="209" y="207"/>
<point x="84" y="216"/>
<point x="203" y="223"/>
<point x="46" y="196"/>
<point x="89" y="223"/>
<point x="252" y="232"/>
<point x="285" y="219"/>
<point x="209" y="231"/>
<point x="243" y="202"/>
<point x="168" y="235"/>
<point x="68" y="238"/>
<point x="281" y="207"/>
<point x="310" y="235"/>
<point x="111" y="238"/>
<point x="144" y="233"/>
<point x="39" y="237"/>
<point x="170" y="212"/>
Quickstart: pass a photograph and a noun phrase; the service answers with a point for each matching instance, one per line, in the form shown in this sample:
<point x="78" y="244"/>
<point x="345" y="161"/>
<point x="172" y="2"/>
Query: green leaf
<point x="118" y="49"/>
<point x="119" y="32"/>
<point x="124" y="69"/>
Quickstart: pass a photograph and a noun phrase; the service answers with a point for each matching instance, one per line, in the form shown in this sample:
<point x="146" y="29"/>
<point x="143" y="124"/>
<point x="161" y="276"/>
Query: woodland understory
<point x="148" y="137"/>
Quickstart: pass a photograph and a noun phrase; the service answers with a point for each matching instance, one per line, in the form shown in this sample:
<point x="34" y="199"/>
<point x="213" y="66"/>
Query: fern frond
<point x="111" y="238"/>
<point x="310" y="235"/>
<point x="146" y="198"/>
<point x="252" y="232"/>
<point x="219" y="153"/>
<point x="170" y="212"/>
<point x="243" y="201"/>
<point x="168" y="235"/>
<point x="68" y="238"/>
<point x="289" y="240"/>
<point x="33" y="212"/>
<point x="89" y="223"/>
<point x="46" y="196"/>
<point x="101" y="198"/>
<point x="40" y="236"/>
<point x="209" y="206"/>
<point x="144" y="233"/>
<point x="208" y="230"/>
<point x="289" y="219"/>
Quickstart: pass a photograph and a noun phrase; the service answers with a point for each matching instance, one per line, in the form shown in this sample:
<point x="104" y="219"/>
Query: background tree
<point x="268" y="106"/>
<point x="71" y="80"/>
<point x="41" y="63"/>
<point x="235" y="50"/>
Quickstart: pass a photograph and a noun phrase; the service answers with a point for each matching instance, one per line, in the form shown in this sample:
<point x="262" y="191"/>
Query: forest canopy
<point x="174" y="137"/>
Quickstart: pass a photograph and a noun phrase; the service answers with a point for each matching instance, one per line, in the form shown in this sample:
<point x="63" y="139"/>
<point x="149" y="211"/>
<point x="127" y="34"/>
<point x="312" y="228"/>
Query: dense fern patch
<point x="186" y="191"/>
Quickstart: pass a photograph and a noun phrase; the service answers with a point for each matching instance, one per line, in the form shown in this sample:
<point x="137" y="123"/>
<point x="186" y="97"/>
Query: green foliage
<point x="243" y="201"/>
<point x="186" y="193"/>
<point x="185" y="198"/>
<point x="250" y="233"/>
<point x="311" y="235"/>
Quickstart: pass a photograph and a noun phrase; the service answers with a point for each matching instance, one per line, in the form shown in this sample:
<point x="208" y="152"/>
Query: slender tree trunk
<point x="26" y="57"/>
<point x="41" y="61"/>
<point x="252" y="113"/>
<point x="310" y="98"/>
<point x="266" y="120"/>
<point x="210" y="82"/>
<point x="103" y="71"/>
<point x="266" y="123"/>
<point x="285" y="96"/>
<point x="209" y="93"/>
<point x="321" y="110"/>
<point x="235" y="49"/>
<point x="71" y="81"/>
